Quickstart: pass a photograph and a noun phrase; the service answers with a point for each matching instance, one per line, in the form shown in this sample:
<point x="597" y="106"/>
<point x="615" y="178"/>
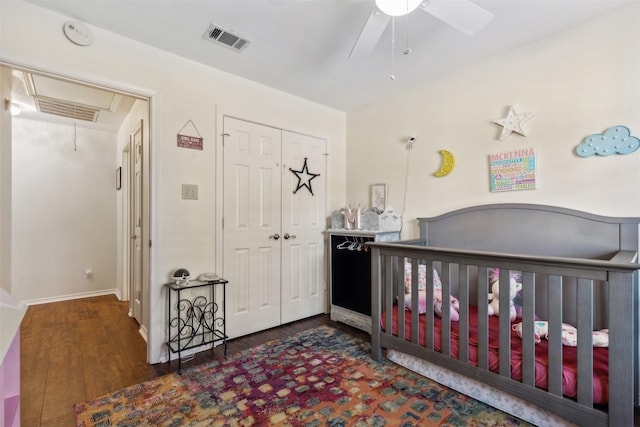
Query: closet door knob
<point x="275" y="236"/>
<point x="288" y="236"/>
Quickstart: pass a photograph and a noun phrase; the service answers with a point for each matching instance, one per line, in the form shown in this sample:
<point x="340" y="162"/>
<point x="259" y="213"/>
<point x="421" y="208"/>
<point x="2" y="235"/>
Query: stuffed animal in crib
<point x="494" y="298"/>
<point x="454" y="306"/>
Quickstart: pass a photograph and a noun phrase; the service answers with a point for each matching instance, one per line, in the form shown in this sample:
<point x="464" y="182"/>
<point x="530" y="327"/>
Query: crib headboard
<point x="531" y="229"/>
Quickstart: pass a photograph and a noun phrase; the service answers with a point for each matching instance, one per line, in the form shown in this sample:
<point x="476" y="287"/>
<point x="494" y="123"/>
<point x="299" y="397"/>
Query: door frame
<point x="150" y="253"/>
<point x="136" y="198"/>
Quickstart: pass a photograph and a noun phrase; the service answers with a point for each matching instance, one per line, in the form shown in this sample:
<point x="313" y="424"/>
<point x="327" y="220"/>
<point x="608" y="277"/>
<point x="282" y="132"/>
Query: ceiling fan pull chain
<point x="407" y="50"/>
<point x="393" y="46"/>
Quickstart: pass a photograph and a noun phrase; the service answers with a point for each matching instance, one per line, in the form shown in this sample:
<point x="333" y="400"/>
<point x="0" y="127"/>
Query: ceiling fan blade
<point x="370" y="34"/>
<point x="462" y="15"/>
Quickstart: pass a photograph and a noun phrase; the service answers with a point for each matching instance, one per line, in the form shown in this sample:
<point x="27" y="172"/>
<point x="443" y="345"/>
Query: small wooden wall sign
<point x="187" y="141"/>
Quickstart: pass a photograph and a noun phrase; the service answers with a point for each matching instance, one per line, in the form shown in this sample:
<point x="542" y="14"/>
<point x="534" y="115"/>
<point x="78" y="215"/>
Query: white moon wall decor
<point x="448" y="161"/>
<point x="615" y="140"/>
<point x="513" y="123"/>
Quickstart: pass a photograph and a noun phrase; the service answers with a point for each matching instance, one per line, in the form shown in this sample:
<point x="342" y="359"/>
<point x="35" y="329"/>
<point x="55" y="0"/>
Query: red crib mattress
<point x="569" y="354"/>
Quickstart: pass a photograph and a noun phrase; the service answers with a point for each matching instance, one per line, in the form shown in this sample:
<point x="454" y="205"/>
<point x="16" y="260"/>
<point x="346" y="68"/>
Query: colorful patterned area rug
<point x="319" y="377"/>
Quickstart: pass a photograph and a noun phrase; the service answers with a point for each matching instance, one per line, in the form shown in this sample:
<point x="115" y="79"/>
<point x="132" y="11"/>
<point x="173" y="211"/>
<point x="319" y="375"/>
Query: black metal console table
<point x="197" y="319"/>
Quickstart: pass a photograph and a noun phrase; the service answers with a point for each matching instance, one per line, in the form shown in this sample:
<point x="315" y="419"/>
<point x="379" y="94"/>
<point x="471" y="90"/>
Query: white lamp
<point x="397" y="7"/>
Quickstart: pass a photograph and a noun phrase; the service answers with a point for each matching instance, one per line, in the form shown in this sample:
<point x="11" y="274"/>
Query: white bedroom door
<point x="273" y="253"/>
<point x="303" y="223"/>
<point x="251" y="226"/>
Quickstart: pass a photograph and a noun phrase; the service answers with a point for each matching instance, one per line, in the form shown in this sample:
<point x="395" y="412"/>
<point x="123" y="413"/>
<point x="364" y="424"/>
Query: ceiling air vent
<point x="226" y="38"/>
<point x="67" y="109"/>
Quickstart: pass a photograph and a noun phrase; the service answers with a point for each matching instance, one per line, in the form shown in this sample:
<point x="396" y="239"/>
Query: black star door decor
<point x="304" y="177"/>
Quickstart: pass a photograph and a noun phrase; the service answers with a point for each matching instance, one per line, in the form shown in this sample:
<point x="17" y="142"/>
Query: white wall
<point x="578" y="82"/>
<point x="64" y="208"/>
<point x="182" y="90"/>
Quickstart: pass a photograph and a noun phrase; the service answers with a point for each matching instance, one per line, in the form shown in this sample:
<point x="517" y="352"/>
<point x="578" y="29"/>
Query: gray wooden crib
<point x="576" y="268"/>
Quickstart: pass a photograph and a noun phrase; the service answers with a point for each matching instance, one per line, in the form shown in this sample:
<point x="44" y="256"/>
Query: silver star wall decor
<point x="513" y="123"/>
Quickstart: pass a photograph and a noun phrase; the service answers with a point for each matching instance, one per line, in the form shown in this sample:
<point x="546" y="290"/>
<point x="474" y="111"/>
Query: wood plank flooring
<point x="77" y="350"/>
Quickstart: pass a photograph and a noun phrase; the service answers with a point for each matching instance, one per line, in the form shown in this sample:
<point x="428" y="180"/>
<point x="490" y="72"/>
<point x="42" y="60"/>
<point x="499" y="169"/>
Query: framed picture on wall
<point x="119" y="178"/>
<point x="378" y="197"/>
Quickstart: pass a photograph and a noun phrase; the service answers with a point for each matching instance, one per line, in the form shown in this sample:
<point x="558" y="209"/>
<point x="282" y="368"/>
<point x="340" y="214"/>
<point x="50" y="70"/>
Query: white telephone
<point x="208" y="277"/>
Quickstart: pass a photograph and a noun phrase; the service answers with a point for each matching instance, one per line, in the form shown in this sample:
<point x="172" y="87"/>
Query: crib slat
<point x="554" y="375"/>
<point x="376" y="294"/>
<point x="389" y="268"/>
<point x="446" y="309"/>
<point x="483" y="319"/>
<point x="398" y="286"/>
<point x="505" y="324"/>
<point x="429" y="313"/>
<point x="620" y="351"/>
<point x="463" y="323"/>
<point x="528" y="328"/>
<point x="414" y="300"/>
<point x="584" y="304"/>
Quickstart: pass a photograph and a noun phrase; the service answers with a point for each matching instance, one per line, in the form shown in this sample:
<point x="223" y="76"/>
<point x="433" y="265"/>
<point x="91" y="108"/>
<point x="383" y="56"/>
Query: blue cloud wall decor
<point x="615" y="140"/>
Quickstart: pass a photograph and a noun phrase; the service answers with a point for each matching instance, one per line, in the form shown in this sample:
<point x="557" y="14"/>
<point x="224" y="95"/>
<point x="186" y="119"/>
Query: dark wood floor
<point x="77" y="350"/>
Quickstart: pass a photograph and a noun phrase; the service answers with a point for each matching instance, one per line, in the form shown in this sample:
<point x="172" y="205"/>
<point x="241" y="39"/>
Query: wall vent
<point x="67" y="109"/>
<point x="226" y="38"/>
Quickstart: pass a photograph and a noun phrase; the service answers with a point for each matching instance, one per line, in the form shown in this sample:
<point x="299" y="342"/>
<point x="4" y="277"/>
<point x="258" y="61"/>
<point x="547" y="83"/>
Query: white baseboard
<point x="71" y="296"/>
<point x="143" y="332"/>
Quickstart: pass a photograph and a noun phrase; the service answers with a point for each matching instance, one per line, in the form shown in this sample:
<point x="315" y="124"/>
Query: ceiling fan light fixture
<point x="397" y="7"/>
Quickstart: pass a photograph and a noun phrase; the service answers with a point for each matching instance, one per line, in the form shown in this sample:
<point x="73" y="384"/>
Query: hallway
<point x="75" y="350"/>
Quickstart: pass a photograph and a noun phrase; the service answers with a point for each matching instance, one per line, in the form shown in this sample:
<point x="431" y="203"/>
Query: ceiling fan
<point x="463" y="15"/>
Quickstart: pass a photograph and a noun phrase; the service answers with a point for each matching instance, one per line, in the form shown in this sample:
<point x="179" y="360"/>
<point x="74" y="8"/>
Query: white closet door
<point x="303" y="220"/>
<point x="251" y="229"/>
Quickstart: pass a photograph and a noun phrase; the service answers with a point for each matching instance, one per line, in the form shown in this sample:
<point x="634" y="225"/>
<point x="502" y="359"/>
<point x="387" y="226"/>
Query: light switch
<point x="190" y="191"/>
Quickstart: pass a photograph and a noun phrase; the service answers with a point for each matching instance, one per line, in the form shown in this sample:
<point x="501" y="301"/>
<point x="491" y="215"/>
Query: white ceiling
<point x="302" y="46"/>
